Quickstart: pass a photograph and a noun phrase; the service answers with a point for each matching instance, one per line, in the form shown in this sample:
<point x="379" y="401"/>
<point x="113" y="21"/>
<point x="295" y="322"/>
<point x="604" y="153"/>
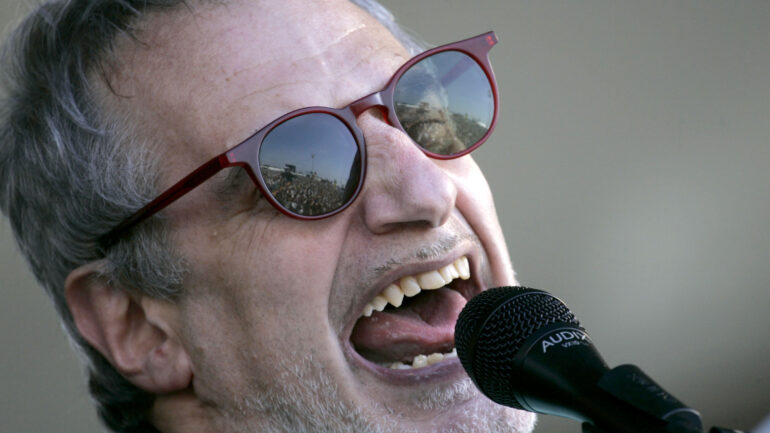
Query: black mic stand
<point x="590" y="428"/>
<point x="631" y="385"/>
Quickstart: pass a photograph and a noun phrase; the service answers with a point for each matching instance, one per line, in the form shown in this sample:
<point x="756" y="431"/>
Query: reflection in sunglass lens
<point x="310" y="164"/>
<point x="445" y="102"/>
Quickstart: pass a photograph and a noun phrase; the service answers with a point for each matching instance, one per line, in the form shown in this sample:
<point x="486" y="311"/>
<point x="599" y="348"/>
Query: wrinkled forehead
<point x="214" y="73"/>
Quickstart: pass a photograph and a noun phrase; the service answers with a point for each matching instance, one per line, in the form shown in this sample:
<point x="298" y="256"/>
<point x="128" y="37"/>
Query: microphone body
<point x="524" y="349"/>
<point x="559" y="372"/>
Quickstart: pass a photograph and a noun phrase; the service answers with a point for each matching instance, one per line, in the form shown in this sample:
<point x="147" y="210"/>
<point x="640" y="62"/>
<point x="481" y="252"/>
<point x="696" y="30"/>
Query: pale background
<point x="631" y="167"/>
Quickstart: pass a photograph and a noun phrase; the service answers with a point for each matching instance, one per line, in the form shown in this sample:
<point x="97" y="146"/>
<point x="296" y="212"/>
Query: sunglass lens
<point x="445" y="102"/>
<point x="310" y="164"/>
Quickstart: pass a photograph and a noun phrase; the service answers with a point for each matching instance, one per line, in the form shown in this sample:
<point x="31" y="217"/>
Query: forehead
<point x="206" y="78"/>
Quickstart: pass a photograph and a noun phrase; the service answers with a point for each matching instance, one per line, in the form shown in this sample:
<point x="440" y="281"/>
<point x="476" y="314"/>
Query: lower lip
<point x="442" y="371"/>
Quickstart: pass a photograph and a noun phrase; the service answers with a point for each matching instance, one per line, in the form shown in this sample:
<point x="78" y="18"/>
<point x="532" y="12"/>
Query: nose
<point x="404" y="187"/>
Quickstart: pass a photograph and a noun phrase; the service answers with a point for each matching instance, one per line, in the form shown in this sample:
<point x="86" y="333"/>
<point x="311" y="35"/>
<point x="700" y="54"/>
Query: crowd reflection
<point x="303" y="193"/>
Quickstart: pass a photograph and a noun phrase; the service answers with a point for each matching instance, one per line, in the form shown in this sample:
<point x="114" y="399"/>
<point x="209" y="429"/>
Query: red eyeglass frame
<point x="245" y="154"/>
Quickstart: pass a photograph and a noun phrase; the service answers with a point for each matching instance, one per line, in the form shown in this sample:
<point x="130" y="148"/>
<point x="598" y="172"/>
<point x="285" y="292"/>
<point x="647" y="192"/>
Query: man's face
<point x="272" y="317"/>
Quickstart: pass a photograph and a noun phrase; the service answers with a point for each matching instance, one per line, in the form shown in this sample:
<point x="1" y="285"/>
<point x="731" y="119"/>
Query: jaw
<point x="440" y="397"/>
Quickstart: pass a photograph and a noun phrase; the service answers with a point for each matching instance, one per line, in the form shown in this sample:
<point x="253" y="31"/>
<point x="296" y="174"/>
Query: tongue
<point x="424" y="325"/>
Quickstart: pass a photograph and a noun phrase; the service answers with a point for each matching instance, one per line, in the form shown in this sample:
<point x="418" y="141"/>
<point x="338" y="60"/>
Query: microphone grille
<point x="492" y="328"/>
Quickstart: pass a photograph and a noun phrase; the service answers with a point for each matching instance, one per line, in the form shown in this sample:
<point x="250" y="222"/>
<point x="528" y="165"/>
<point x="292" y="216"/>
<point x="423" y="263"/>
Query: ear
<point x="135" y="333"/>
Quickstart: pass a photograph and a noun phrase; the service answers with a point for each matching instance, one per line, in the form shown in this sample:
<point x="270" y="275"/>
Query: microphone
<point x="523" y="348"/>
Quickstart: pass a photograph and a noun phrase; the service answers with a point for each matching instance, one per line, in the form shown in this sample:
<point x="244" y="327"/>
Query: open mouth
<point x="410" y="324"/>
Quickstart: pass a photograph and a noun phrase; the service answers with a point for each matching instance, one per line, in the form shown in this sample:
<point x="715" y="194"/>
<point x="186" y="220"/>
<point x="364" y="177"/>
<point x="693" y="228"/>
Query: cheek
<point x="269" y="257"/>
<point x="256" y="299"/>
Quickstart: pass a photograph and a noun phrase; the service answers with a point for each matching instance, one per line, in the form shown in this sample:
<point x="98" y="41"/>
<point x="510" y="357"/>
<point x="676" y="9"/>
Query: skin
<point x="259" y="340"/>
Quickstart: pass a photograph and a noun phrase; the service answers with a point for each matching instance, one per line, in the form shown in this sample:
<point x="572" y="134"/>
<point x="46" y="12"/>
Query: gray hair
<point x="69" y="171"/>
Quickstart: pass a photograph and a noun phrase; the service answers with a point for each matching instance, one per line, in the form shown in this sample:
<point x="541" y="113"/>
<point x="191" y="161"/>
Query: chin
<point x="478" y="415"/>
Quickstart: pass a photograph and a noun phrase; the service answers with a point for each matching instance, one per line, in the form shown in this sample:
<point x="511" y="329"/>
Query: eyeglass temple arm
<point x="190" y="182"/>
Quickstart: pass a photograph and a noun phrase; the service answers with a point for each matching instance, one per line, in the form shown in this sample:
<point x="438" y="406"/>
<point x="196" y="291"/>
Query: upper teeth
<point x="414" y="284"/>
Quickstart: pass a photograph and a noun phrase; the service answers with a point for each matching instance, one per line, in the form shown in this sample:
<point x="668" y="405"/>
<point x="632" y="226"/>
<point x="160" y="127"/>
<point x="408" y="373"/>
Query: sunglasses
<point x="311" y="163"/>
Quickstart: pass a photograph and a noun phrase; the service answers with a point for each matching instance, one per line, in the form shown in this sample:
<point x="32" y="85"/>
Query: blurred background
<point x="631" y="169"/>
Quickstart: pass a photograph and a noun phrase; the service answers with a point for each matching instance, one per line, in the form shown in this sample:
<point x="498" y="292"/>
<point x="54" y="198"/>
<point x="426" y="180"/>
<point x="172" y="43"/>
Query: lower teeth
<point x="421" y="361"/>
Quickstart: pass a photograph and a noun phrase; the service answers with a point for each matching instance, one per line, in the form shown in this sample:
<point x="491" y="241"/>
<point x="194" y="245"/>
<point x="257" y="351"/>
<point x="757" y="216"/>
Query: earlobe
<point x="134" y="332"/>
